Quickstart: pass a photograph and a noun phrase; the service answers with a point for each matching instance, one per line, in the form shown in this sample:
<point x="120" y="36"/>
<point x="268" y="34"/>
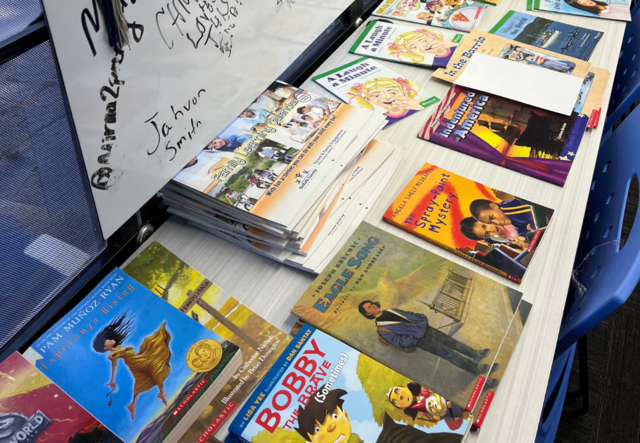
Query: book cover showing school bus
<point x="494" y="229"/>
<point x="432" y="320"/>
<point x="137" y="364"/>
<point x="322" y="390"/>
<point x="260" y="342"/>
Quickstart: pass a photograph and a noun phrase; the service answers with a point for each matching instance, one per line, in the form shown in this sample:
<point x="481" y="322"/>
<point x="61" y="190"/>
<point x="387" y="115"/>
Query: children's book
<point x="609" y="9"/>
<point x="137" y="364"/>
<point x="34" y="410"/>
<point x="370" y="85"/>
<point x="558" y="37"/>
<point x="199" y="298"/>
<point x="435" y="322"/>
<point x="322" y="390"/>
<point x="496" y="230"/>
<point x="462" y="15"/>
<point x="415" y="45"/>
<point x="514" y="135"/>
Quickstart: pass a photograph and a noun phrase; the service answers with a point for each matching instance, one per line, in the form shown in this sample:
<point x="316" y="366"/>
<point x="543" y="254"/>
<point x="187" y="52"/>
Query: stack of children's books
<point x="289" y="179"/>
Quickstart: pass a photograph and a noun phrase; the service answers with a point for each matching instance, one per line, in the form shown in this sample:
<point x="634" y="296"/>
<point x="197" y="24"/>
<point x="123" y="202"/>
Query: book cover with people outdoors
<point x="370" y="85"/>
<point x="415" y="45"/>
<point x="610" y="10"/>
<point x="462" y="15"/>
<point x="558" y="37"/>
<point x="434" y="321"/>
<point x="260" y="342"/>
<point x="133" y="361"/>
<point x="322" y="390"/>
<point x="34" y="410"/>
<point x="496" y="230"/>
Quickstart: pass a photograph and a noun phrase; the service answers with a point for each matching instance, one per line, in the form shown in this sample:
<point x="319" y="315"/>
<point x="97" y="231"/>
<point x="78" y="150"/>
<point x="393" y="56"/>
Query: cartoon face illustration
<point x="324" y="420"/>
<point x="335" y="429"/>
<point x="401" y="397"/>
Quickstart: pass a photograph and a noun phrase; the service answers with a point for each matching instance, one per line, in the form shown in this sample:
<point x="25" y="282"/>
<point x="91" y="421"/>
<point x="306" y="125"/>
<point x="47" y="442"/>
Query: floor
<point x="614" y="372"/>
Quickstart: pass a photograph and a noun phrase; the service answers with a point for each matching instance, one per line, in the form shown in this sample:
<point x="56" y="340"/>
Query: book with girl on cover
<point x="133" y="361"/>
<point x="322" y="390"/>
<point x="496" y="230"/>
<point x="370" y="85"/>
<point x="433" y="321"/>
<point x="607" y="9"/>
<point x="403" y="43"/>
<point x="462" y="15"/>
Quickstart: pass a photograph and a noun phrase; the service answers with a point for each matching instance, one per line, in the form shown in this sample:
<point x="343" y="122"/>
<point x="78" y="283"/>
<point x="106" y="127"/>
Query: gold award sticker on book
<point x="204" y="355"/>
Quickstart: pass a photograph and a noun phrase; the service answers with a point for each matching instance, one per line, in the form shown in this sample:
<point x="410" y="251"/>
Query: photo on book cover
<point x="462" y="15"/>
<point x="197" y="297"/>
<point x="494" y="229"/>
<point x="434" y="321"/>
<point x="609" y="9"/>
<point x="558" y="37"/>
<point x="531" y="57"/>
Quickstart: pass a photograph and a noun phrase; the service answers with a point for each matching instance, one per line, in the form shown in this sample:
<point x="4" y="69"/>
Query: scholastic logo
<point x="215" y="424"/>
<point x="189" y="397"/>
<point x="534" y="241"/>
<point x="475" y="394"/>
<point x="483" y="410"/>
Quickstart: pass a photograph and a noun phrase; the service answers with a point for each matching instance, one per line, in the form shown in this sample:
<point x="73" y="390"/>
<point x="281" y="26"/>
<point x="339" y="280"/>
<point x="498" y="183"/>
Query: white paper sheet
<point x="532" y="85"/>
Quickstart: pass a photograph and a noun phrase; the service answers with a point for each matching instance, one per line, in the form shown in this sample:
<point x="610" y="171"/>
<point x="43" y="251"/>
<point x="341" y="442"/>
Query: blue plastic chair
<point x="626" y="83"/>
<point x="609" y="273"/>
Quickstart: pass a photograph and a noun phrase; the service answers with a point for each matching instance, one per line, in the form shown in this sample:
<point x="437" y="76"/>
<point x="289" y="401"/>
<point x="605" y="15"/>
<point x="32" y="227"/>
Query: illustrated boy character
<point x="413" y="399"/>
<point x="326" y="421"/>
<point x="408" y="331"/>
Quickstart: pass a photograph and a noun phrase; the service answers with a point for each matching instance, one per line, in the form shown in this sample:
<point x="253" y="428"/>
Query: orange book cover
<point x="492" y="228"/>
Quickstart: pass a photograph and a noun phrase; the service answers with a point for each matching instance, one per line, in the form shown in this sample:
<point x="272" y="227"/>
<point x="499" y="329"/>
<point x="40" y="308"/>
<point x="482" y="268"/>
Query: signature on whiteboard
<point x="289" y="3"/>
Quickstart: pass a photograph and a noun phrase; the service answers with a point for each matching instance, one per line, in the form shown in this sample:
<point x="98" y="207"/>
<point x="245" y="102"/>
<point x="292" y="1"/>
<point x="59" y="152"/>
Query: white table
<point x="271" y="289"/>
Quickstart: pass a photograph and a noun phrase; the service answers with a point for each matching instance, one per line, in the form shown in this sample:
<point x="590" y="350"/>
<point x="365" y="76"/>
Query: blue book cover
<point x="132" y="360"/>
<point x="562" y="38"/>
<point x="322" y="390"/>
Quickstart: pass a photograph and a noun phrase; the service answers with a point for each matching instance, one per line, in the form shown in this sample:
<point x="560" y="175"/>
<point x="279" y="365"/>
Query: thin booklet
<point x="491" y="228"/>
<point x="403" y="43"/>
<point x="609" y="10"/>
<point x="462" y="15"/>
<point x="370" y="85"/>
<point x="434" y="321"/>
<point x="558" y="37"/>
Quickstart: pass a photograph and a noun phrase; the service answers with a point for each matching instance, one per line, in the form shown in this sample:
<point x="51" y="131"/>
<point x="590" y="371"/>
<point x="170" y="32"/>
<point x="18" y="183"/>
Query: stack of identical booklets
<point x="399" y="344"/>
<point x="289" y="179"/>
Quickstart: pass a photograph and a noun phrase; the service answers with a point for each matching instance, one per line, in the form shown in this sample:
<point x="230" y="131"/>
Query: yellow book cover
<point x="494" y="229"/>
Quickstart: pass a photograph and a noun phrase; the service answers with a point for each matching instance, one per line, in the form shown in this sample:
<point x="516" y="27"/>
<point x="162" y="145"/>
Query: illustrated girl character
<point x="398" y="96"/>
<point x="413" y="44"/>
<point x="420" y="403"/>
<point x="149" y="367"/>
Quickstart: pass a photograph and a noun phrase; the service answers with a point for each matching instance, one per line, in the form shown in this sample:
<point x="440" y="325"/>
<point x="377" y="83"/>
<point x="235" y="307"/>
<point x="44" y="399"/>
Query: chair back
<point x="626" y="83"/>
<point x="610" y="271"/>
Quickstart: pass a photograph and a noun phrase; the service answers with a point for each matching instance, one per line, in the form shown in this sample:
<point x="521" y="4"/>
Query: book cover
<point x="434" y="321"/>
<point x="558" y="37"/>
<point x="133" y="361"/>
<point x="260" y="342"/>
<point x="494" y="229"/>
<point x="370" y="85"/>
<point x="514" y="135"/>
<point x="322" y="390"/>
<point x="462" y="15"/>
<point x="34" y="410"/>
<point x="610" y="9"/>
<point x="415" y="45"/>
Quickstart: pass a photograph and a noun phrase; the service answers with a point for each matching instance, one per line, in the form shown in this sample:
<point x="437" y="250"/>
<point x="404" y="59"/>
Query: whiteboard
<point x="193" y="65"/>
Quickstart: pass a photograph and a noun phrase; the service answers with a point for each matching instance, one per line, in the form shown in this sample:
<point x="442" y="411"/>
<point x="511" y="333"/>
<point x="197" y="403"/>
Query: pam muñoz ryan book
<point x="431" y="320"/>
<point x="322" y="390"/>
<point x="489" y="227"/>
<point x="136" y="363"/>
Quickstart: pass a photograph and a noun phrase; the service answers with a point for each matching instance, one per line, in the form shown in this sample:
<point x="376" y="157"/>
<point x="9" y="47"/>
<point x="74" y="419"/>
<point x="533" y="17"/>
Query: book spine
<point x="364" y="34"/>
<point x="502" y="21"/>
<point x="450" y="249"/>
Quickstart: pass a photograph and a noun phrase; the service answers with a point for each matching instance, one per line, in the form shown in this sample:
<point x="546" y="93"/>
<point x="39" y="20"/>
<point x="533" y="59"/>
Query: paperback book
<point x="610" y="9"/>
<point x="496" y="230"/>
<point x="322" y="390"/>
<point x="514" y="135"/>
<point x="171" y="366"/>
<point x="370" y="85"/>
<point x="415" y="45"/>
<point x="34" y="410"/>
<point x="462" y="15"/>
<point x="433" y="321"/>
<point x="260" y="342"/>
<point x="558" y="37"/>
